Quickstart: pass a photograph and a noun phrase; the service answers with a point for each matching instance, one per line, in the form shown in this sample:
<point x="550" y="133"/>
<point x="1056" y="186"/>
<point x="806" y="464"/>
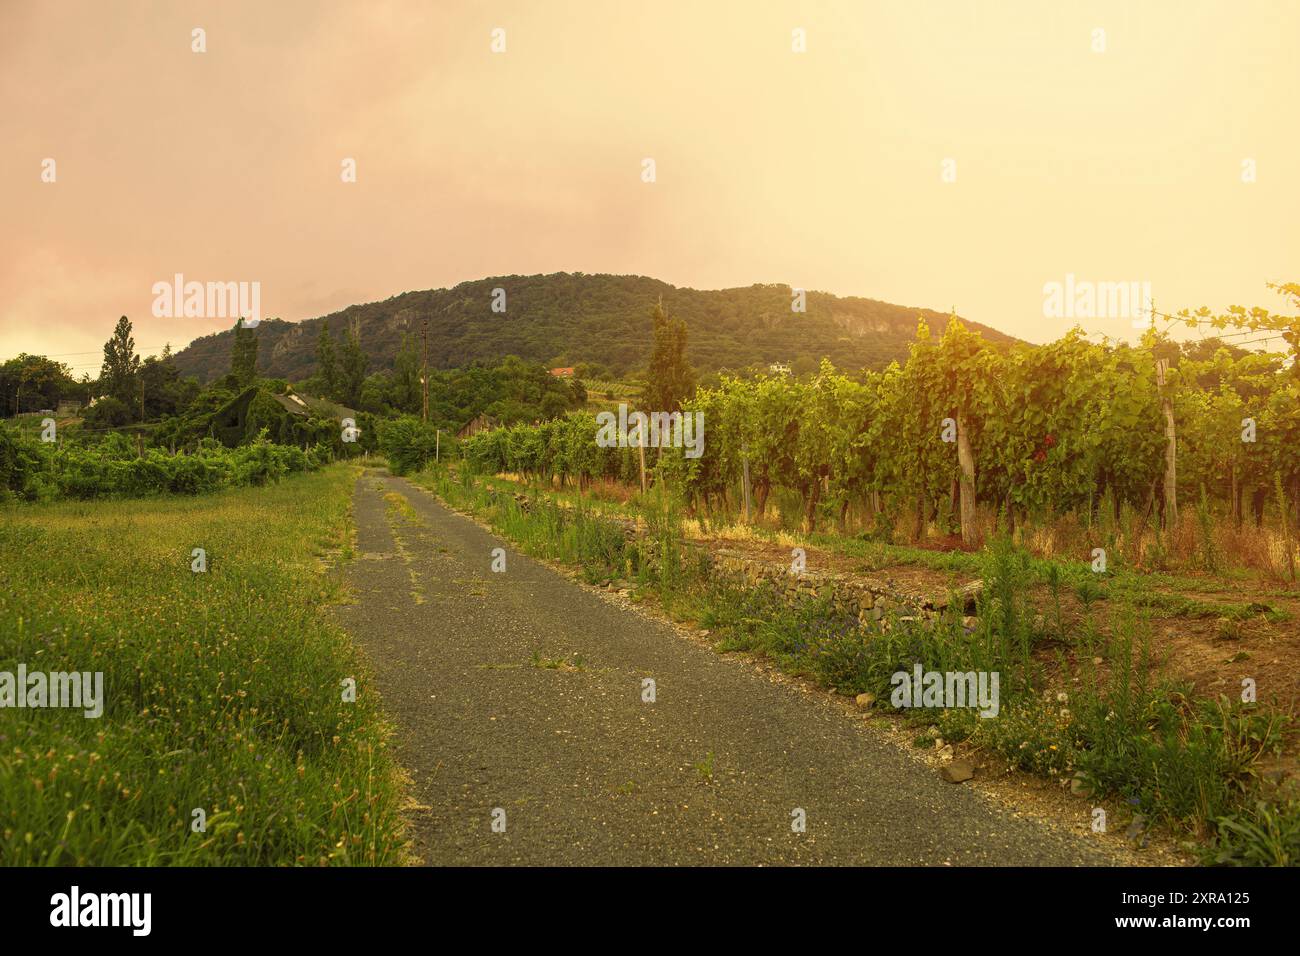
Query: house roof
<point x="304" y="406"/>
<point x="482" y="419"/>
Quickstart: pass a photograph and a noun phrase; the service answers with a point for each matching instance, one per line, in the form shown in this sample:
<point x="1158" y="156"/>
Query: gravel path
<point x="588" y="773"/>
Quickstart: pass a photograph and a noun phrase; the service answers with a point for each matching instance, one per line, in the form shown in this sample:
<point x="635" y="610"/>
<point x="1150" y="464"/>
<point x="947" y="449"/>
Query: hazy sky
<point x="820" y="169"/>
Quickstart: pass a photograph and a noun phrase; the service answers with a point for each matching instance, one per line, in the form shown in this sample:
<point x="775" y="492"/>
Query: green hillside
<point x="568" y="318"/>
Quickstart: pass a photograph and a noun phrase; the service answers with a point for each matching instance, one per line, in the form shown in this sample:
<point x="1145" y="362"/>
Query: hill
<point x="568" y="318"/>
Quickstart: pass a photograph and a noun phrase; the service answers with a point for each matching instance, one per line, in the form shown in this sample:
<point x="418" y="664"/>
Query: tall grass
<point x="541" y="527"/>
<point x="223" y="689"/>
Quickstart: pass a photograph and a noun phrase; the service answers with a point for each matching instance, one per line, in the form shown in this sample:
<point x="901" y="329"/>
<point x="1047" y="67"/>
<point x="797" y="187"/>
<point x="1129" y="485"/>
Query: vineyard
<point x="968" y="438"/>
<point x="1126" y="512"/>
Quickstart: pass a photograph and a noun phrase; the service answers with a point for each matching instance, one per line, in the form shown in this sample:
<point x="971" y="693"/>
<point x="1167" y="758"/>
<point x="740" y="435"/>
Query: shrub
<point x="112" y="468"/>
<point x="408" y="443"/>
<point x="108" y="412"/>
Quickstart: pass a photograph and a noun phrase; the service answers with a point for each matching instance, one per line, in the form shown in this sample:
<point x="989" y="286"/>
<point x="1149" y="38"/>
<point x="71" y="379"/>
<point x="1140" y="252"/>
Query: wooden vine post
<point x="1171" y="446"/>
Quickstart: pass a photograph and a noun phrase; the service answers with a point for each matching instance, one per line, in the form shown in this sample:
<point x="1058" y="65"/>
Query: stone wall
<point x="869" y="599"/>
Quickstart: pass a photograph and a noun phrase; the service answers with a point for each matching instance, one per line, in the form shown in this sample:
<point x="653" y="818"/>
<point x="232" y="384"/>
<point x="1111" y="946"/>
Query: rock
<point x="969" y="596"/>
<point x="938" y="743"/>
<point x="864" y="701"/>
<point x="946" y="752"/>
<point x="1079" y="785"/>
<point x="957" y="772"/>
<point x="1136" y="832"/>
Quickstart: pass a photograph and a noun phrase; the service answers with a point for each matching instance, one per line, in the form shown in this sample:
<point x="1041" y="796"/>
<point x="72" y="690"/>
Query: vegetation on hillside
<point x="568" y="319"/>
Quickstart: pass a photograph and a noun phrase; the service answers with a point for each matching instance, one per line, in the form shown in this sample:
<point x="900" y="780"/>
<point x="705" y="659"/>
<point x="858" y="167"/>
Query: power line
<point x="141" y="348"/>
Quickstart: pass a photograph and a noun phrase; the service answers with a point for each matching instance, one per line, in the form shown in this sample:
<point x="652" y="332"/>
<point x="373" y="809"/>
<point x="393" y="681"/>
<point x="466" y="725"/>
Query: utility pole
<point x="424" y="368"/>
<point x="141" y="398"/>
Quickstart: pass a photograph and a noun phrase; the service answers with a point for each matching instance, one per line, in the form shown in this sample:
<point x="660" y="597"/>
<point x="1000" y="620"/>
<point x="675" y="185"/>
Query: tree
<point x="164" y="391"/>
<point x="669" y="379"/>
<point x="33" y="381"/>
<point x="326" y="362"/>
<point x="243" y="355"/>
<point x="353" y="369"/>
<point x="121" y="366"/>
<point x="405" y="392"/>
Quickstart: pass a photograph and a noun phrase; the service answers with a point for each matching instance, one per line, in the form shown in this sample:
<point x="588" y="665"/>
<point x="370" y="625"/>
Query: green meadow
<point x="225" y="737"/>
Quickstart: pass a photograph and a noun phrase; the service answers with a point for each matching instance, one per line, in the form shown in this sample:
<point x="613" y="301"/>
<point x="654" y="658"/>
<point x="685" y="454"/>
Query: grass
<point x="541" y="528"/>
<point x="224" y="689"/>
<point x="399" y="506"/>
<point x="1162" y="591"/>
<point x="705" y="768"/>
<point x="575" y="664"/>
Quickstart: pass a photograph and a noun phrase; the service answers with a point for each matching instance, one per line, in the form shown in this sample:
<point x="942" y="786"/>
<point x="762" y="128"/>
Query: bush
<point x="408" y="443"/>
<point x="111" y="468"/>
<point x="108" y="412"/>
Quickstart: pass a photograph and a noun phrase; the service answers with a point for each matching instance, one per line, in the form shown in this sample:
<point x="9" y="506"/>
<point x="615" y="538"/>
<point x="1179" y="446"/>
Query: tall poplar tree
<point x="327" y="366"/>
<point x="117" y="376"/>
<point x="243" y="355"/>
<point x="669" y="378"/>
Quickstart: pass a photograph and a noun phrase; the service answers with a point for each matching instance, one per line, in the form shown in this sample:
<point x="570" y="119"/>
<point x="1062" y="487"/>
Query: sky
<point x="932" y="153"/>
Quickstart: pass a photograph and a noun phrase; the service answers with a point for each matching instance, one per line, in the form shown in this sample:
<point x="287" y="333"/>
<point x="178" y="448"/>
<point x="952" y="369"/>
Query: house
<point x="255" y="407"/>
<point x="229" y="423"/>
<point x="779" y="368"/>
<point x="307" y="406"/>
<point x="563" y="372"/>
<point x="479" y="423"/>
